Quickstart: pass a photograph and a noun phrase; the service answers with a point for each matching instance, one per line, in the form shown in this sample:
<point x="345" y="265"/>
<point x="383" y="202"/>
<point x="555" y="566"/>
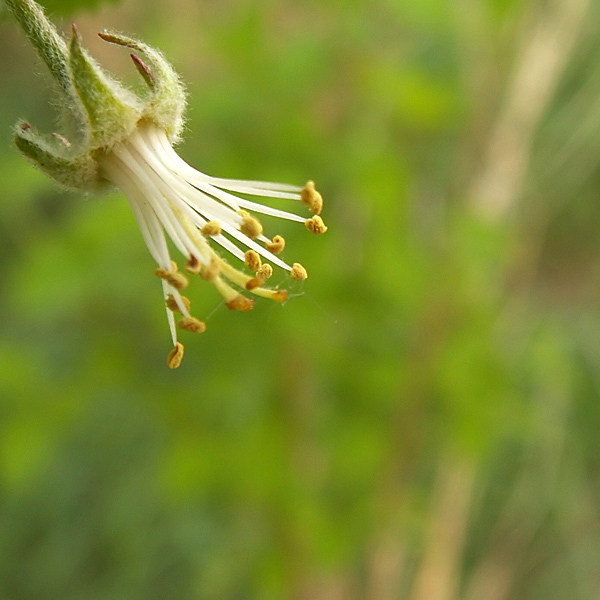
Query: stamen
<point x="253" y="283"/>
<point x="262" y="274"/>
<point x="233" y="300"/>
<point x="192" y="324"/>
<point x="252" y="260"/>
<point x="150" y="226"/>
<point x="277" y="245"/>
<point x="312" y="198"/>
<point x="175" y="356"/>
<point x="211" y="272"/>
<point x="265" y="272"/>
<point x="253" y="245"/>
<point x="315" y="225"/>
<point x="244" y="281"/>
<point x="240" y="303"/>
<point x="279" y="295"/>
<point x="192" y="265"/>
<point x="153" y="190"/>
<point x="268" y="210"/>
<point x="177" y="280"/>
<point x="249" y="283"/>
<point x="298" y="272"/>
<point x="211" y="228"/>
<point x="249" y="225"/>
<point x="174" y="307"/>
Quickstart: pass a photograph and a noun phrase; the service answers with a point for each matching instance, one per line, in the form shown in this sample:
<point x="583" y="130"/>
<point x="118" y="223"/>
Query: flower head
<point x="167" y="195"/>
<point x="126" y="141"/>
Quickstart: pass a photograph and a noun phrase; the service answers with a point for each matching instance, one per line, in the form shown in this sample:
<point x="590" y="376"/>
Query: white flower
<point x="125" y="140"/>
<point x="168" y="195"/>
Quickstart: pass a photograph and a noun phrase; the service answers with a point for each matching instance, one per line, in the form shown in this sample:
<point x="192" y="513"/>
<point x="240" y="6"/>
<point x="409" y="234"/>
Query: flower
<point x="124" y="140"/>
<point x="167" y="194"/>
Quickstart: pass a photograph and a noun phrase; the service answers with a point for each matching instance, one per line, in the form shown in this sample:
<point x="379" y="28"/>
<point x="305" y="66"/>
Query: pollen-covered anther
<point x="264" y="272"/>
<point x="211" y="228"/>
<point x="175" y="356"/>
<point x="277" y="245"/>
<point x="312" y="198"/>
<point x="211" y="271"/>
<point x="240" y="303"/>
<point x="298" y="272"/>
<point x="192" y="324"/>
<point x="252" y="260"/>
<point x="253" y="283"/>
<point x="174" y="307"/>
<point x="192" y="265"/>
<point x="249" y="225"/>
<point x="315" y="225"/>
<point x="177" y="280"/>
<point x="279" y="295"/>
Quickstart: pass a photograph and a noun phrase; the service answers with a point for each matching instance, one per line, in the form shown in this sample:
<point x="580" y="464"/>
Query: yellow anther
<point x="192" y="324"/>
<point x="177" y="280"/>
<point x="211" y="272"/>
<point x="312" y="198"/>
<point x="193" y="265"/>
<point x="253" y="283"/>
<point x="174" y="307"/>
<point x="175" y="356"/>
<point x="212" y="228"/>
<point x="249" y="225"/>
<point x="240" y="303"/>
<point x="264" y="272"/>
<point x="277" y="245"/>
<point x="252" y="260"/>
<point x="315" y="225"/>
<point x="279" y="295"/>
<point x="298" y="272"/>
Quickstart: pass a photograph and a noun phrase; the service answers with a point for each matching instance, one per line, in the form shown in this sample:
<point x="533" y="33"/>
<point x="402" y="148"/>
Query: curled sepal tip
<point x="50" y="155"/>
<point x="143" y="70"/>
<point x="166" y="101"/>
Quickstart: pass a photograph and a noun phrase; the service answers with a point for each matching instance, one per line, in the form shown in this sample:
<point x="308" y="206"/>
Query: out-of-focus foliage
<point x="68" y="8"/>
<point x="420" y="420"/>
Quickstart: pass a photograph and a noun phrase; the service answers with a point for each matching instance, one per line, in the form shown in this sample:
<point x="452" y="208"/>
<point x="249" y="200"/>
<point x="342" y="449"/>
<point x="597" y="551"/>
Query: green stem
<point x="45" y="38"/>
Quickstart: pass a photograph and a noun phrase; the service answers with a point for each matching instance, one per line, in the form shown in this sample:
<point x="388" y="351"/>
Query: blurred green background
<point x="421" y="419"/>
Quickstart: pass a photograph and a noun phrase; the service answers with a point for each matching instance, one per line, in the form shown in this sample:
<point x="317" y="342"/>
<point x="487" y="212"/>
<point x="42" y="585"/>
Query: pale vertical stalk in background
<point x="438" y="575"/>
<point x="386" y="569"/>
<point x="546" y="48"/>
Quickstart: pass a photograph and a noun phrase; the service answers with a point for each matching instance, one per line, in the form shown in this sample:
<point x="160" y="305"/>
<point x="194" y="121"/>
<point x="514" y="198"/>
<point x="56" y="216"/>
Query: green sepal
<point x="166" y="102"/>
<point x="112" y="111"/>
<point x="51" y="156"/>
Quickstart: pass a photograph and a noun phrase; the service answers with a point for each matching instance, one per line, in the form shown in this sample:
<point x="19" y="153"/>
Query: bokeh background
<point x="421" y="420"/>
